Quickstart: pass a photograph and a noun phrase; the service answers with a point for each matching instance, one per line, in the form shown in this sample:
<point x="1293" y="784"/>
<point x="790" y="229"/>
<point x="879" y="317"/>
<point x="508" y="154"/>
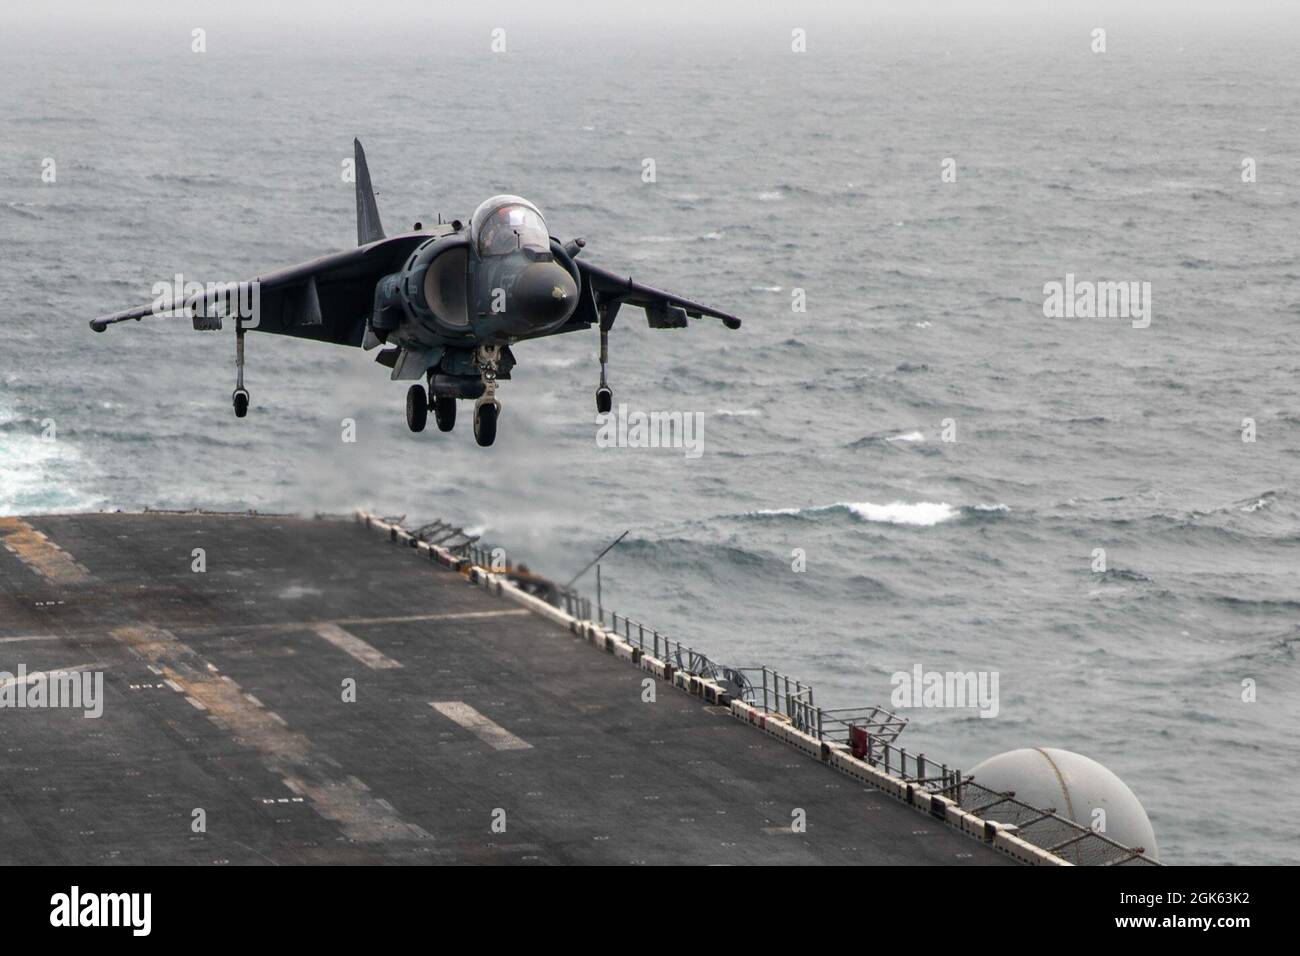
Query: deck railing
<point x="870" y="733"/>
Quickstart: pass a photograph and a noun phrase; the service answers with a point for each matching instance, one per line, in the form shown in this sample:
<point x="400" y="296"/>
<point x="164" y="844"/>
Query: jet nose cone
<point x="545" y="293"/>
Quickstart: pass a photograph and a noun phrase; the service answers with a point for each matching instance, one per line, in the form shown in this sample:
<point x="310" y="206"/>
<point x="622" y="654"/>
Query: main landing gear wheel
<point x="485" y="422"/>
<point x="604" y="399"/>
<point x="444" y="412"/>
<point x="240" y="400"/>
<point x="417" y="408"/>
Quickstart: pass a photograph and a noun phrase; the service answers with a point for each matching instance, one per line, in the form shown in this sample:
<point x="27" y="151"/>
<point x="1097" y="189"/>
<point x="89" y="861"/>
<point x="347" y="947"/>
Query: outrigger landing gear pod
<point x="239" y="397"/>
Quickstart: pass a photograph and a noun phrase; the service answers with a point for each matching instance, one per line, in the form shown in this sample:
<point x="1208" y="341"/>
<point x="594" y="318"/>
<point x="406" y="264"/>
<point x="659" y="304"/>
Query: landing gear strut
<point x="487" y="409"/>
<point x="604" y="394"/>
<point x="239" y="397"/>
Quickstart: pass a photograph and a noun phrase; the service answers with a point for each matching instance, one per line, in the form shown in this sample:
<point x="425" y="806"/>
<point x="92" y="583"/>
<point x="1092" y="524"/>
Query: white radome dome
<point x="1076" y="786"/>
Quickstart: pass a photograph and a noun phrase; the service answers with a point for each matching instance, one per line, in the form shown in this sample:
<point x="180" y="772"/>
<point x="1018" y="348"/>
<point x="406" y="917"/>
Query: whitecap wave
<point x="705" y="237"/>
<point x="37" y="474"/>
<point x="921" y="513"/>
<point x="907" y="436"/>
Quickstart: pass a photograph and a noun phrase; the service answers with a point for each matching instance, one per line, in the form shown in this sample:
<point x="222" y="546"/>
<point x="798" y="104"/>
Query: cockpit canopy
<point x="504" y="224"/>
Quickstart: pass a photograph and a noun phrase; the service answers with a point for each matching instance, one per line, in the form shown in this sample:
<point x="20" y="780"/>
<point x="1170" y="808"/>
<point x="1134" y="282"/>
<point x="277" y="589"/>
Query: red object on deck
<point x="859" y="742"/>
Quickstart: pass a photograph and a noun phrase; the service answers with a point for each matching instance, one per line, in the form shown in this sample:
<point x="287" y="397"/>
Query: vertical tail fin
<point x="369" y="229"/>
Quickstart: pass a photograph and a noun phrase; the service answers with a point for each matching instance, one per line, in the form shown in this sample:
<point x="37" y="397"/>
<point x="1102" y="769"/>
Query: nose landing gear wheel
<point x="444" y="412"/>
<point x="417" y="408"/>
<point x="604" y="399"/>
<point x="485" y="422"/>
<point x="240" y="400"/>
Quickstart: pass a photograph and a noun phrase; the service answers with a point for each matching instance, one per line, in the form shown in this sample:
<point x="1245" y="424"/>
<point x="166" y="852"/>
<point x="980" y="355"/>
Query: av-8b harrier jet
<point x="447" y="301"/>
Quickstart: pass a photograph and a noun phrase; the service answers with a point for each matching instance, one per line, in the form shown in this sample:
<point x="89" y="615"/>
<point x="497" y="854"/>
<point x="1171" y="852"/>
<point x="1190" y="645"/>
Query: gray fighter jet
<point x="447" y="301"/>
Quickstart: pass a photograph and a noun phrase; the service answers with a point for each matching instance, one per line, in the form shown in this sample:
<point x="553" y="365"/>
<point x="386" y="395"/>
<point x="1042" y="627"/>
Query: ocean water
<point x="823" y="430"/>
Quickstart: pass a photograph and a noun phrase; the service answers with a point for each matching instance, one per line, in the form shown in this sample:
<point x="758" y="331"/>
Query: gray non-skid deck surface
<point x="223" y="691"/>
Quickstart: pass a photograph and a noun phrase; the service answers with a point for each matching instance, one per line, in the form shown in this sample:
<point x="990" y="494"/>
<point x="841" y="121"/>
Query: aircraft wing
<point x="327" y="299"/>
<point x="605" y="291"/>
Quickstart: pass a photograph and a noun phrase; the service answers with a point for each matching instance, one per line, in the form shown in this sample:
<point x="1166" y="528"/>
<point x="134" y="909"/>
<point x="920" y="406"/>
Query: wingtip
<point x="98" y="325"/>
<point x="731" y="322"/>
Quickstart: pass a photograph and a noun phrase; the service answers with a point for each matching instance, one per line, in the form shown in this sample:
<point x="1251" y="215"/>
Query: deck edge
<point x="990" y="832"/>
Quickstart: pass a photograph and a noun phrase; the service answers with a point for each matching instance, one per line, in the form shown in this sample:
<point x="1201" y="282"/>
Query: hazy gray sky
<point x="70" y="13"/>
<point x="142" y="25"/>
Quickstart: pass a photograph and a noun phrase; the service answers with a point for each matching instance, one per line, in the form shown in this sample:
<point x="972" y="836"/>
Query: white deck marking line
<point x="39" y="553"/>
<point x="29" y="637"/>
<point x="452" y="616"/>
<point x="478" y="725"/>
<point x="287" y="753"/>
<point x="354" y="621"/>
<point x="351" y="644"/>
